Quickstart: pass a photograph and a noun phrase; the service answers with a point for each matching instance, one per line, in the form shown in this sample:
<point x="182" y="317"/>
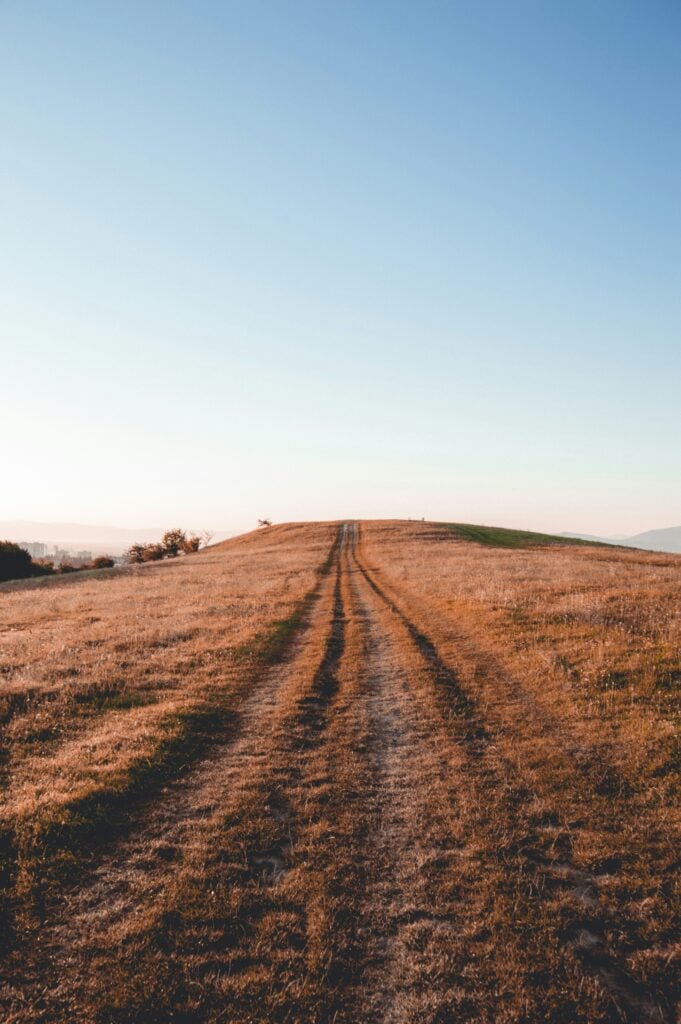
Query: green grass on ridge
<point x="500" y="537"/>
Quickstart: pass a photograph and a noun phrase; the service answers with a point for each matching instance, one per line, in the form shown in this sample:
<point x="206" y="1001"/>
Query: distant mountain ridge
<point x="667" y="539"/>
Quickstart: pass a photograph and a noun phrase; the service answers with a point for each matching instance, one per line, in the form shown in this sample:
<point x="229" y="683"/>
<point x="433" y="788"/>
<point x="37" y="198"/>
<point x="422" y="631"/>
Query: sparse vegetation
<point x="172" y="544"/>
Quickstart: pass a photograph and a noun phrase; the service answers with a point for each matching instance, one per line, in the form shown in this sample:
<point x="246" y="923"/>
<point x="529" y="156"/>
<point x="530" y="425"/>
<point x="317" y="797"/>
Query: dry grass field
<point x="377" y="772"/>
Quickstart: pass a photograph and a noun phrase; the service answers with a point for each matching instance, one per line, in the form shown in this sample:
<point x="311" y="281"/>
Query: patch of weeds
<point x="669" y="680"/>
<point x="270" y="644"/>
<point x="113" y="697"/>
<point x="617" y="680"/>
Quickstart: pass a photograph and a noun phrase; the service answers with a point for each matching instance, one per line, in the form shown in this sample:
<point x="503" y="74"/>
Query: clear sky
<point x="317" y="260"/>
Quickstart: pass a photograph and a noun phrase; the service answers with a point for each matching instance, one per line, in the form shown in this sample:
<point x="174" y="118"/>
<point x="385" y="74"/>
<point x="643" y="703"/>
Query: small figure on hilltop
<point x="264" y="522"/>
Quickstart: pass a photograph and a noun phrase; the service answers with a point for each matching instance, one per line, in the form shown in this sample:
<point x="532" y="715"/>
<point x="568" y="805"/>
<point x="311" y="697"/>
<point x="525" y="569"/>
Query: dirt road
<point x="376" y="837"/>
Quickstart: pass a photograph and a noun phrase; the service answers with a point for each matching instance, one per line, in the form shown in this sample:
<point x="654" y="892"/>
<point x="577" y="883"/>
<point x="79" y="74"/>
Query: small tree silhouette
<point x="264" y="522"/>
<point x="191" y="543"/>
<point x="135" y="554"/>
<point x="173" y="542"/>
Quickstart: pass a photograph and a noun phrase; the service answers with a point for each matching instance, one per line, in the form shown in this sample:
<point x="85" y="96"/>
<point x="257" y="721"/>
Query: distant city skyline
<point x="84" y="539"/>
<point x="321" y="261"/>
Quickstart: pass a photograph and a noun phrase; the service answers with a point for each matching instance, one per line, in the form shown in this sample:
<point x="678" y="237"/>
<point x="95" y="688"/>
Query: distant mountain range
<point x="668" y="540"/>
<point x="658" y="540"/>
<point x="72" y="536"/>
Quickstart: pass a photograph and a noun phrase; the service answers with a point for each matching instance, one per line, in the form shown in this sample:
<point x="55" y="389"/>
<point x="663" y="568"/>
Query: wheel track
<point x="283" y="966"/>
<point x="128" y="887"/>
<point x="410" y="907"/>
<point x="500" y="788"/>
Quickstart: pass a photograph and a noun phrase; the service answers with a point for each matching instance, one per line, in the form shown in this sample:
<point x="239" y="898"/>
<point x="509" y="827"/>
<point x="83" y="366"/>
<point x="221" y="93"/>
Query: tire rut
<point x="535" y="855"/>
<point x="119" y="896"/>
<point x="411" y="904"/>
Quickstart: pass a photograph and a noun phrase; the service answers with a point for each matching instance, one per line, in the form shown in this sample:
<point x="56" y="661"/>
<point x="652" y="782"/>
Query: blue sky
<point x="316" y="260"/>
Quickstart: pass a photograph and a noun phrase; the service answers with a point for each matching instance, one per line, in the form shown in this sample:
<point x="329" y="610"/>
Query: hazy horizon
<point x="313" y="261"/>
<point x="59" y="531"/>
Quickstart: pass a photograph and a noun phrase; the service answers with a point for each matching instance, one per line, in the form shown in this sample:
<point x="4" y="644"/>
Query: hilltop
<point x="344" y="771"/>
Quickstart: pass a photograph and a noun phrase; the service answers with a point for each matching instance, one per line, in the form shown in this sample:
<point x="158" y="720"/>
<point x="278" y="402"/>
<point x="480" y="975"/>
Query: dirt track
<point x="376" y="837"/>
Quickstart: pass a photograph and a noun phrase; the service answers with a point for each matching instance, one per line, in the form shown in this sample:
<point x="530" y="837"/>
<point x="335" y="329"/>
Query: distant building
<point x="34" y="548"/>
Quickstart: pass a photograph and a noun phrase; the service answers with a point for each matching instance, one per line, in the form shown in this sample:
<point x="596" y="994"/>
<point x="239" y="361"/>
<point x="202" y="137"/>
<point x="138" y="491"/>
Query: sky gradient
<point x="318" y="260"/>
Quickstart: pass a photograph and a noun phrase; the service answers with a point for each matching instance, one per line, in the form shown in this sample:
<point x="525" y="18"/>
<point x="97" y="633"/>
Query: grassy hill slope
<point x="502" y="537"/>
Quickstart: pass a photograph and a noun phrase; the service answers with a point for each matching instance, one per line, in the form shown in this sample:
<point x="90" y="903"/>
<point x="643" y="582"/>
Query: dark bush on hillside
<point x="153" y="553"/>
<point x="67" y="567"/>
<point x="172" y="542"/>
<point x="138" y="553"/>
<point x="135" y="554"/>
<point x="15" y="563"/>
<point x="103" y="562"/>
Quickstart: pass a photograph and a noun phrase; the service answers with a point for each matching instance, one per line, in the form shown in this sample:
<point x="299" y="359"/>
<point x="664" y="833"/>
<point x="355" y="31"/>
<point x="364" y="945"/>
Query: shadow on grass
<point x="40" y="854"/>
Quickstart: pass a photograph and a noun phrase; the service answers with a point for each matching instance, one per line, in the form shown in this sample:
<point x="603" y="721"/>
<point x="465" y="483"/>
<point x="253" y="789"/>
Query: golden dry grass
<point x="102" y="677"/>
<point x="444" y="788"/>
